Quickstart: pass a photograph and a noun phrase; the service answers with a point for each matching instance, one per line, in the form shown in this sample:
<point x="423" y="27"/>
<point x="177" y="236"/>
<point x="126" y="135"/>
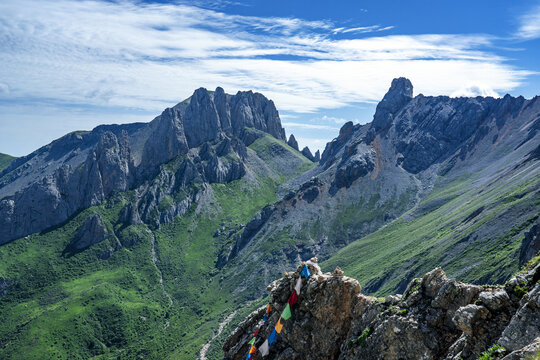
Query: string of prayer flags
<point x="305" y="272"/>
<point x="253" y="349"/>
<point x="286" y="314"/>
<point x="293" y="298"/>
<point x="264" y="349"/>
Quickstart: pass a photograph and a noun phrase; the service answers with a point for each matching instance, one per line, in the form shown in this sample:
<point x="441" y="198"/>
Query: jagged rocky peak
<point x="206" y="115"/>
<point x="307" y="153"/>
<point x="399" y="94"/>
<point x="293" y="143"/>
<point x="435" y="318"/>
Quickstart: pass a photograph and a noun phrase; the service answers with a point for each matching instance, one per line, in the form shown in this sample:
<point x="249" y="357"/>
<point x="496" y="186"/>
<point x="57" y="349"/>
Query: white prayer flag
<point x="298" y="285"/>
<point x="264" y="348"/>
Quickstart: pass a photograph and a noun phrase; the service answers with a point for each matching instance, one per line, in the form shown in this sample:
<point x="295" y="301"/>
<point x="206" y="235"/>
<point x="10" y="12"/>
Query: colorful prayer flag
<point x="305" y="272"/>
<point x="286" y="314"/>
<point x="265" y="317"/>
<point x="248" y="357"/>
<point x="256" y="332"/>
<point x="264" y="348"/>
<point x="268" y="309"/>
<point x="279" y="326"/>
<point x="298" y="285"/>
<point x="252" y="341"/>
<point x="293" y="298"/>
<point x="272" y="338"/>
<point x="253" y="349"/>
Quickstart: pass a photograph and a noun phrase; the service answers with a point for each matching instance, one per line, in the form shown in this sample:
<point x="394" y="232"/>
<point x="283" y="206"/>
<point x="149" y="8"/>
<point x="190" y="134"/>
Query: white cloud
<point x="339" y="121"/>
<point x="474" y="90"/>
<point x="530" y="25"/>
<point x="149" y="56"/>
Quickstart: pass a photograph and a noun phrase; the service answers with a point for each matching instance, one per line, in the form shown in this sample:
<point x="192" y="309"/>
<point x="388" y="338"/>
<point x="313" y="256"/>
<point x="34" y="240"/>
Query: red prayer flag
<point x="256" y="332"/>
<point x="293" y="298"/>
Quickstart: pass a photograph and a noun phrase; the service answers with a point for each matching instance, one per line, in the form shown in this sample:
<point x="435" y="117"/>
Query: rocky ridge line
<point x="436" y="318"/>
<point x="210" y="130"/>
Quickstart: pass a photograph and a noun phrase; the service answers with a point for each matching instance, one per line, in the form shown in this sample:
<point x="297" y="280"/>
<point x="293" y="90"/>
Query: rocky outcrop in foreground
<point x="436" y="318"/>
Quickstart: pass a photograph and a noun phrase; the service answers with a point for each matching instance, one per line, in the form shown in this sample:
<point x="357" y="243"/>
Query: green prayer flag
<point x="252" y="342"/>
<point x="286" y="314"/>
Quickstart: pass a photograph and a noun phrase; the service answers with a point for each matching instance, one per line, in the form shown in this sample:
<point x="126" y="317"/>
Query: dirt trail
<point x="221" y="326"/>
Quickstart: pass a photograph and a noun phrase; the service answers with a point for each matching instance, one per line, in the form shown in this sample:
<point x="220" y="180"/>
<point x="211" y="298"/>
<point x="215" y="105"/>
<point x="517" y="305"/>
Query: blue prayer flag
<point x="272" y="338"/>
<point x="265" y="317"/>
<point x="305" y="272"/>
<point x="248" y="357"/>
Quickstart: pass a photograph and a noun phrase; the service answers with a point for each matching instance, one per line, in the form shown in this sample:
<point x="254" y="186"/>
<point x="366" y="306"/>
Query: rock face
<point x="399" y="94"/>
<point x="307" y="153"/>
<point x="435" y="318"/>
<point x="91" y="232"/>
<point x="292" y="142"/>
<point x="530" y="245"/>
<point x="108" y="167"/>
<point x="82" y="169"/>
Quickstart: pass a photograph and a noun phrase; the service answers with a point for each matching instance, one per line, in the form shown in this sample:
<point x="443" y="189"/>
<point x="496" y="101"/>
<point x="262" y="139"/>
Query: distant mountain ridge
<point x="401" y="164"/>
<point x="81" y="169"/>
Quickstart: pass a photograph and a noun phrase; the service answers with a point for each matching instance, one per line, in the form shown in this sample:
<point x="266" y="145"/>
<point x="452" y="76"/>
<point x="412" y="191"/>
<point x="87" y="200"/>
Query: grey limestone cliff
<point x="82" y="169"/>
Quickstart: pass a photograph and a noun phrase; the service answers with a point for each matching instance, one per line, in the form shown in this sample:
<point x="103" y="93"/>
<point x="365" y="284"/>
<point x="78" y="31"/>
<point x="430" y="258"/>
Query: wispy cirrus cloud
<point x="529" y="27"/>
<point x="362" y="29"/>
<point x="151" y="55"/>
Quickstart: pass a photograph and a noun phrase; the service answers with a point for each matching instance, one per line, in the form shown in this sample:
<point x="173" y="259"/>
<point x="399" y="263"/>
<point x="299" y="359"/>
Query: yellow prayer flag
<point x="279" y="326"/>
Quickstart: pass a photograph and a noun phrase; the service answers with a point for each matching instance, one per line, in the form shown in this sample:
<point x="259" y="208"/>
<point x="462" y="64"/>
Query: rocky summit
<point x="436" y="318"/>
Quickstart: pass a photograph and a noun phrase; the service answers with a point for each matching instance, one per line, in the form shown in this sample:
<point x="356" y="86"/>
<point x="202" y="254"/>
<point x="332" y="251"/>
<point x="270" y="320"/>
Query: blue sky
<point x="68" y="65"/>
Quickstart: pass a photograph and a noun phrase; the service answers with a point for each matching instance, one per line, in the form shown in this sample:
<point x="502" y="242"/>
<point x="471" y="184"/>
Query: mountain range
<point x="150" y="240"/>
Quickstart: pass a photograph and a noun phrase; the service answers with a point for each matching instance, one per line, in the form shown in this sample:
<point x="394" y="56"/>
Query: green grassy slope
<point x="86" y="306"/>
<point x="5" y="160"/>
<point x="473" y="232"/>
